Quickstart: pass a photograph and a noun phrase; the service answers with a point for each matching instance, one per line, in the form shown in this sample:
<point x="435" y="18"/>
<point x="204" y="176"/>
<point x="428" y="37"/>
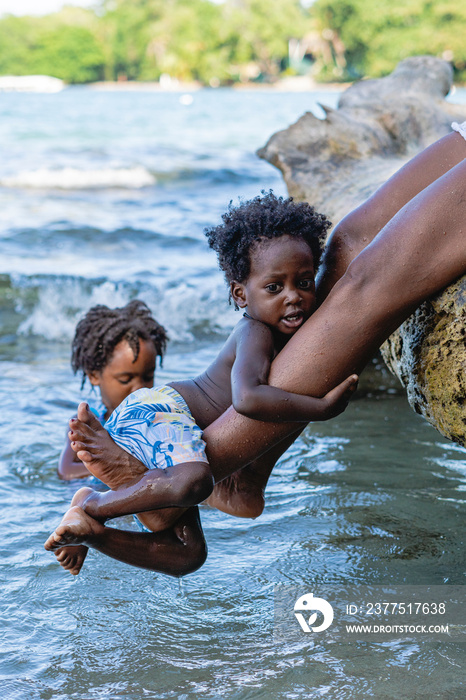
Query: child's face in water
<point x="280" y="289"/>
<point x="122" y="375"/>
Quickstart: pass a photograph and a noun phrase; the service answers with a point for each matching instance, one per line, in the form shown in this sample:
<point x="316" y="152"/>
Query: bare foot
<point x="99" y="453"/>
<point x="76" y="528"/>
<point x="242" y="493"/>
<point x="72" y="558"/>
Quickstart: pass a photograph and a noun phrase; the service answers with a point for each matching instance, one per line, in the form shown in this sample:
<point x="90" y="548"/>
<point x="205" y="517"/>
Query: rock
<point x="428" y="355"/>
<point x="336" y="163"/>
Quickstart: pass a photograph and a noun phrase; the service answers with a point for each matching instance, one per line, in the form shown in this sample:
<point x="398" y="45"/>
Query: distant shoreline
<point x="291" y="84"/>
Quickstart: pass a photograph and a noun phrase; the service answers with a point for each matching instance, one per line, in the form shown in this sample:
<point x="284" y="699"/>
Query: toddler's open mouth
<point x="293" y="320"/>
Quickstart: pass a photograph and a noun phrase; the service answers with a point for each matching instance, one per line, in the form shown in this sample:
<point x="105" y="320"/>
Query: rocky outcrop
<point x="336" y="163"/>
<point x="428" y="354"/>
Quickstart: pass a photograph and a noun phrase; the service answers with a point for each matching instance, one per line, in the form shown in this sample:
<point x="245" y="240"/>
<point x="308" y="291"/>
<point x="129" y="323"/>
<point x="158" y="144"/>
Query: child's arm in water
<point x="253" y="397"/>
<point x="69" y="465"/>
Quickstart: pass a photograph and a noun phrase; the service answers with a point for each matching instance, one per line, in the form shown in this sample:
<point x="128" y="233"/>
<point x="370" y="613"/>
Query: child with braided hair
<point x="116" y="350"/>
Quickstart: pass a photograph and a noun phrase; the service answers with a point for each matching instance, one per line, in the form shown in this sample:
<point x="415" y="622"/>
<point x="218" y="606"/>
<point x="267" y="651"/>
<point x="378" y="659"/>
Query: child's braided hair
<point x="101" y="329"/>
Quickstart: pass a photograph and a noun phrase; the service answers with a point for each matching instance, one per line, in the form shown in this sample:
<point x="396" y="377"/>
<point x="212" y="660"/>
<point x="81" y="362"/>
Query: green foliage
<point x="186" y="43"/>
<point x="32" y="46"/>
<point x="18" y="40"/>
<point x="258" y="31"/>
<point x="221" y="42"/>
<point x="125" y="32"/>
<point x="70" y="53"/>
<point x="378" y="34"/>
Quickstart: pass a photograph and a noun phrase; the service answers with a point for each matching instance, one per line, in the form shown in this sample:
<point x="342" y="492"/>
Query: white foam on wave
<point x="189" y="310"/>
<point x="185" y="310"/>
<point x="74" y="178"/>
<point x="60" y="307"/>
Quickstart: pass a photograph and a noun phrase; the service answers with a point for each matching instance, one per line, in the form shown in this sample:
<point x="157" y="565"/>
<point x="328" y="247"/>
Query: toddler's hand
<point x="337" y="399"/>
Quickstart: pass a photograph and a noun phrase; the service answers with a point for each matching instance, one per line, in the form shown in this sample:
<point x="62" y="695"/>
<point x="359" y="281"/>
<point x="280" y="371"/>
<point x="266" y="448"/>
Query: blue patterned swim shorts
<point x="156" y="426"/>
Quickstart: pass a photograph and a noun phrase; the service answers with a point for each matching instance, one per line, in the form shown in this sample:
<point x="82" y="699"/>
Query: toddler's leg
<point x="182" y="485"/>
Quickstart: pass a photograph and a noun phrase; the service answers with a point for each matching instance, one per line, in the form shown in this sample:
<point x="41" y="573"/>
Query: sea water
<point x="104" y="197"/>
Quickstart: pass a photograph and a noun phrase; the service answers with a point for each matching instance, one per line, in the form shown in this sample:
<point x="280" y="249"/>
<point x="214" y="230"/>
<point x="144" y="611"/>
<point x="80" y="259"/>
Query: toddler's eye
<point x="273" y="288"/>
<point x="306" y="284"/>
<point x="124" y="381"/>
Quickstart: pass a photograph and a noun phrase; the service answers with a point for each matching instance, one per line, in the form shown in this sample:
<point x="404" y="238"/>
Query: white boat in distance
<point x="30" y="83"/>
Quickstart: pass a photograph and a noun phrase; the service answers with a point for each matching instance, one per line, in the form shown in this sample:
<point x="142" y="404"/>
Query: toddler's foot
<point x="155" y="520"/>
<point x="72" y="558"/>
<point x="99" y="453"/>
<point x="76" y="528"/>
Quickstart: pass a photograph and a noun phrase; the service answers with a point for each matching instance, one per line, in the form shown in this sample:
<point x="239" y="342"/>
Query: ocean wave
<point x="50" y="306"/>
<point x="133" y="178"/>
<point x="74" y="178"/>
<point x="58" y="233"/>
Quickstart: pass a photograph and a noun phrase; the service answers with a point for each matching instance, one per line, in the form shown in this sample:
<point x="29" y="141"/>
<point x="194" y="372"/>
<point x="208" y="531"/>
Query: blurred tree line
<point x="234" y="40"/>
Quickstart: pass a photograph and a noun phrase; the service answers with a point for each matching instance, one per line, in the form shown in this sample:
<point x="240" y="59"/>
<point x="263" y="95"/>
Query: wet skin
<point x="411" y="234"/>
<point x="393" y="253"/>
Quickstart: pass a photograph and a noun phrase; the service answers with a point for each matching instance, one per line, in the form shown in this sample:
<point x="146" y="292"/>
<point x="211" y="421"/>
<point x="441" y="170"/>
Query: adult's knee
<point x="194" y="557"/>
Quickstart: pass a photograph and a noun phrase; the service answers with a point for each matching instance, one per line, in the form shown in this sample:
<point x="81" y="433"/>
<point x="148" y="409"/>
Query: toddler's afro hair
<point x="265" y="216"/>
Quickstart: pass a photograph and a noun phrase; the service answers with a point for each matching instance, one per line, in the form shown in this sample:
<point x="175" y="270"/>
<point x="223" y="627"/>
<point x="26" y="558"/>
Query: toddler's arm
<point x="253" y="397"/>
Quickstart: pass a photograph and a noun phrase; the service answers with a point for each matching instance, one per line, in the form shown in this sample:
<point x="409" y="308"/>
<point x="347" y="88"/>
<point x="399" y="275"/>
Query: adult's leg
<point x="356" y="230"/>
<point x="411" y="261"/>
<point x="421" y="250"/>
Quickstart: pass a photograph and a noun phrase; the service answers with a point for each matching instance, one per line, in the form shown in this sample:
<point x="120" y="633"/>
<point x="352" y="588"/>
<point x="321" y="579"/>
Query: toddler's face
<point x="280" y="289"/>
<point x="121" y="376"/>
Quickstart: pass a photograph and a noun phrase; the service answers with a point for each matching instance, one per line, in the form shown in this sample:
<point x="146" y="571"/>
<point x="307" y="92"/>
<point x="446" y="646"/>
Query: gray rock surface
<point x="336" y="163"/>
